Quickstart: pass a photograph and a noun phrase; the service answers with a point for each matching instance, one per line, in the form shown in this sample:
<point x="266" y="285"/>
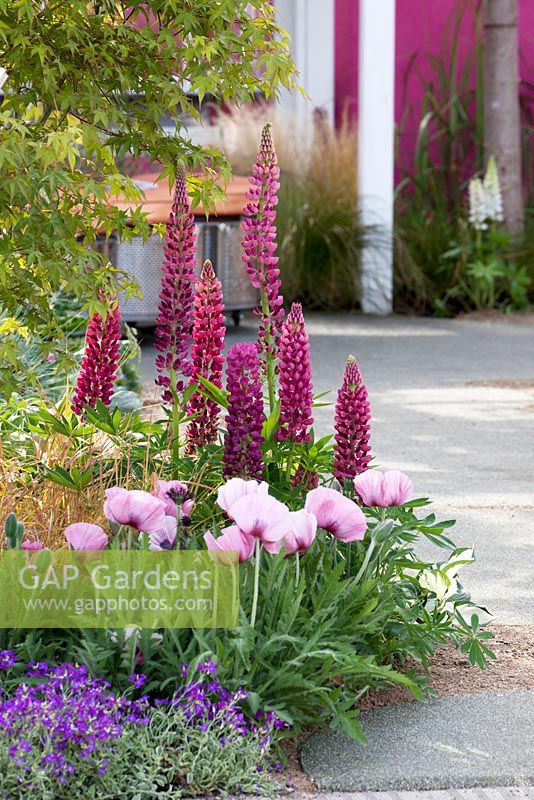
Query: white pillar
<point x="310" y="23"/>
<point x="376" y="127"/>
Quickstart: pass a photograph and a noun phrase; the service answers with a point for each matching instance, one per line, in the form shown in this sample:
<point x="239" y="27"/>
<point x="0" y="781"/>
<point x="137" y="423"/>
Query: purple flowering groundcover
<point x="64" y="733"/>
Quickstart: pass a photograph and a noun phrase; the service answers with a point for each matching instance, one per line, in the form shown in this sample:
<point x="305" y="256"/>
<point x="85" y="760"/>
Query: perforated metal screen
<point x="218" y="241"/>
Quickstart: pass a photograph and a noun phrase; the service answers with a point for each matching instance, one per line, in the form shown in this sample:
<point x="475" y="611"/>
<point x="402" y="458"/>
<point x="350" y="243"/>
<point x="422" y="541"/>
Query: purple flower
<point x="137" y="680"/>
<point x="173" y="332"/>
<point x="259" y="241"/>
<point x="296" y="393"/>
<point x="352" y="452"/>
<point x="7" y="659"/>
<point x="207" y="359"/>
<point x="100" y="362"/>
<point x="74" y="714"/>
<point x="209" y="667"/>
<point x="243" y="438"/>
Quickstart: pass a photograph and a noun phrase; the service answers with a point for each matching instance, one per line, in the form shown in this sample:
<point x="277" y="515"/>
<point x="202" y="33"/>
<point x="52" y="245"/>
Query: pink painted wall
<point x="421" y="28"/>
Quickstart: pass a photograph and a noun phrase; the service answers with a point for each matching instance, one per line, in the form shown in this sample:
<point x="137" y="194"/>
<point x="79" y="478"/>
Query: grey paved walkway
<point x="453" y="406"/>
<point x="495" y="793"/>
<point x="485" y="739"/>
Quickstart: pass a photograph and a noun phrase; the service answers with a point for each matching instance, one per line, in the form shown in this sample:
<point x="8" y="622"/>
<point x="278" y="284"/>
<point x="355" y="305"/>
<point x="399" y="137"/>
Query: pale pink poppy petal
<point x="186" y="508"/>
<point x="86" y="536"/>
<point x="236" y="488"/>
<point x="27" y="544"/>
<point x="258" y="515"/>
<point x="135" y="508"/>
<point x="299" y="531"/>
<point x="368" y="485"/>
<point x="336" y="514"/>
<point x="231" y="538"/>
<point x="397" y="488"/>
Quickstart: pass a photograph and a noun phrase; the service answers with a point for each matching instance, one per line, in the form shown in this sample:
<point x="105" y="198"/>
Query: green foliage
<point x="13" y="531"/>
<point x="89" y="83"/>
<point x="486" y="272"/>
<point x="436" y="268"/>
<point x="33" y="366"/>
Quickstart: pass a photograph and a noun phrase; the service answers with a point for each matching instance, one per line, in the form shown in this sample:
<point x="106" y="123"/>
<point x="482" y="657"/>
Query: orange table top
<point x="158" y="198"/>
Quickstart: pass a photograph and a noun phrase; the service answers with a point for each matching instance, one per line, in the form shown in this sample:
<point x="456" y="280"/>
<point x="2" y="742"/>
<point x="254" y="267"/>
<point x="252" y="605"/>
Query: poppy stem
<point x="256" y="583"/>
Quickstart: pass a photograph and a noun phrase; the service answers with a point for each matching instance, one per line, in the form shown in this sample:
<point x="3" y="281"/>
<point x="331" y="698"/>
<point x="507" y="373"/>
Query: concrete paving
<point x="484" y="739"/>
<point x="493" y="793"/>
<point x="453" y="406"/>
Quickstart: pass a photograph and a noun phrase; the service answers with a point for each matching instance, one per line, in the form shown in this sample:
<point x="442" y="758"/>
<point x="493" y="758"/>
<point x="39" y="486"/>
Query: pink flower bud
<point x="296" y="393"/>
<point x="206" y="359"/>
<point x="173" y="332"/>
<point x="100" y="361"/>
<point x="352" y="452"/>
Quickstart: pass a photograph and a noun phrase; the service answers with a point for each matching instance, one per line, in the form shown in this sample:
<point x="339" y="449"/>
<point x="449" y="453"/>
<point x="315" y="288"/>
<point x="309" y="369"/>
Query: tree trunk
<point x="502" y="131"/>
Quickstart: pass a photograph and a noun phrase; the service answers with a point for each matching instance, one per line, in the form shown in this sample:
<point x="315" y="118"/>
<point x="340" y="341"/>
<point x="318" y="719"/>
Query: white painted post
<point x="310" y="23"/>
<point x="376" y="128"/>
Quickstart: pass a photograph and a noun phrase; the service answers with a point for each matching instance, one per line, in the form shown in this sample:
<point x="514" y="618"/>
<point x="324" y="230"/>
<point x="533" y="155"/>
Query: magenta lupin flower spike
<point x="352" y="452"/>
<point x="295" y="393"/>
<point x="244" y="421"/>
<point x="173" y="331"/>
<point x="259" y="246"/>
<point x="100" y="361"/>
<point x="206" y="358"/>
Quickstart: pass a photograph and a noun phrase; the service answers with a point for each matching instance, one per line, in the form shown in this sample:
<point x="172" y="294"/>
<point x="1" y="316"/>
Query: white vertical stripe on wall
<point x="376" y="127"/>
<point x="310" y="23"/>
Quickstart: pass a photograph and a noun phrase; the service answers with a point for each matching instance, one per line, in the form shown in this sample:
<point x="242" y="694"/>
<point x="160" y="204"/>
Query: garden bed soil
<point x="450" y="674"/>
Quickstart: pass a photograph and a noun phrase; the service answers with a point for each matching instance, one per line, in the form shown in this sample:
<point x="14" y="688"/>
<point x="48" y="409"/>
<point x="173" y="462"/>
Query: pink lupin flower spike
<point x="206" y="358"/>
<point x="296" y="393"/>
<point x="173" y="332"/>
<point x="243" y="438"/>
<point x="100" y="362"/>
<point x="259" y="246"/>
<point x="352" y="452"/>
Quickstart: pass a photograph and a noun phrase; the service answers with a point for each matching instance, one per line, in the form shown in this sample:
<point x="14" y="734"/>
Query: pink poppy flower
<point x="336" y="514"/>
<point x="165" y="538"/>
<point x="236" y="488"/>
<point x="302" y="532"/>
<point x="138" y="509"/>
<point x="368" y="486"/>
<point x="231" y="538"/>
<point x="383" y="489"/>
<point x="29" y="545"/>
<point x="174" y="494"/>
<point x="263" y="517"/>
<point x="86" y="536"/>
